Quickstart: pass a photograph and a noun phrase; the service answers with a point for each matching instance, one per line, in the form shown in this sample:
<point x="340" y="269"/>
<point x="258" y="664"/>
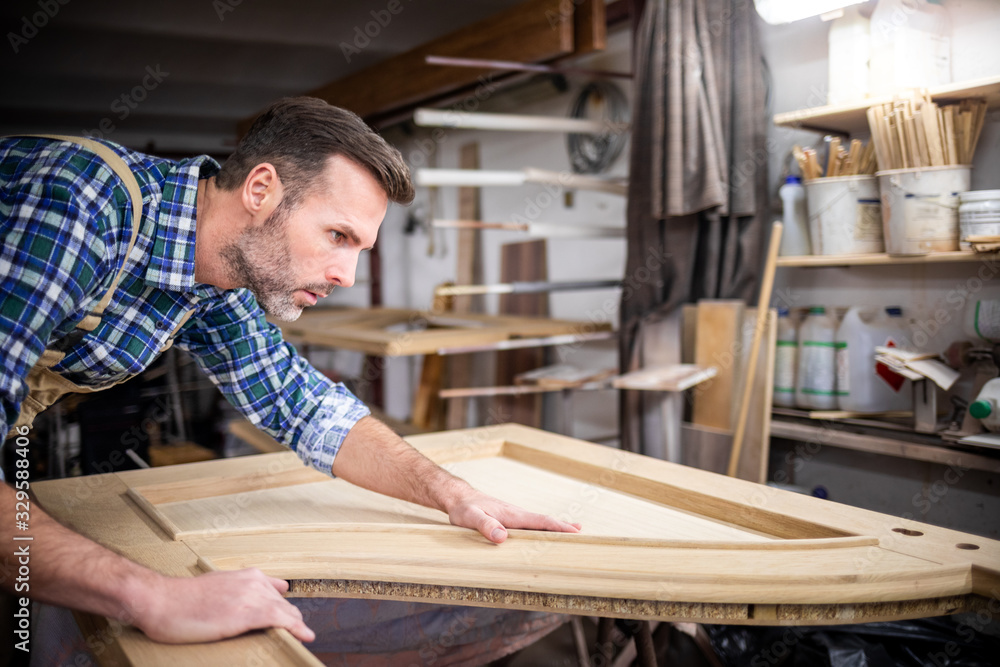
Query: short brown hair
<point x="299" y="134"/>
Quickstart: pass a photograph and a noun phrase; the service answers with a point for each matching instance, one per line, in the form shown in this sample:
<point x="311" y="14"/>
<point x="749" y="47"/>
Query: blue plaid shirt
<point x="66" y="220"/>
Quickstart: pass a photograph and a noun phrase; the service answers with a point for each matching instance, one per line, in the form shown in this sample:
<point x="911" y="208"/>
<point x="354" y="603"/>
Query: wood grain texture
<point x="660" y="540"/>
<point x="99" y="508"/>
<point x="718" y="343"/>
<point x="533" y="31"/>
<point x="396" y="332"/>
<point x="468" y="271"/>
<point x="525" y="261"/>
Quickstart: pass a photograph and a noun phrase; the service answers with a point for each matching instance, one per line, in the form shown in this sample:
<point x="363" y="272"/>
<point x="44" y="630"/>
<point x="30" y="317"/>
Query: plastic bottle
<point x="848" y="57"/>
<point x="981" y="320"/>
<point x="986" y="407"/>
<point x="785" y="357"/>
<point x="816" y="379"/>
<point x="795" y="236"/>
<point x="910" y="46"/>
<point x="862" y="384"/>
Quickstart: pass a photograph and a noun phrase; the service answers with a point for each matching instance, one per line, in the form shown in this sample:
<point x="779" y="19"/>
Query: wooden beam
<point x="534" y="31"/>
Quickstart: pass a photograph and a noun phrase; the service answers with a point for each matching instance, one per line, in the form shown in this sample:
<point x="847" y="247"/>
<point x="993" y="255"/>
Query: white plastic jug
<point x="863" y="385"/>
<point x="910" y="46"/>
<point x="981" y="320"/>
<point x="986" y="407"/>
<point x="785" y="358"/>
<point x="816" y="379"/>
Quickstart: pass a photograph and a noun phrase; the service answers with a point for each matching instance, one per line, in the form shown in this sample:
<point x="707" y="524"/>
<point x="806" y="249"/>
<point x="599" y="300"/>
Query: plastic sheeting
<point x="948" y="641"/>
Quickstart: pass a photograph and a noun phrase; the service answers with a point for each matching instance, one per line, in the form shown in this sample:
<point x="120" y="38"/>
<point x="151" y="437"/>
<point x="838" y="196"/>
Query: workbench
<point x="660" y="541"/>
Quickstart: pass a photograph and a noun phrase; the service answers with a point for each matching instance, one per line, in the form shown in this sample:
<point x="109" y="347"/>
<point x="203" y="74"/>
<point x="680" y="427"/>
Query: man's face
<point x="297" y="256"/>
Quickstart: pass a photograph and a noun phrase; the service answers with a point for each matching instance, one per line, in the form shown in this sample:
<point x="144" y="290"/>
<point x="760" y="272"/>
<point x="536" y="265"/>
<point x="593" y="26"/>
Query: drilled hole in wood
<point x="907" y="532"/>
<point x="966" y="545"/>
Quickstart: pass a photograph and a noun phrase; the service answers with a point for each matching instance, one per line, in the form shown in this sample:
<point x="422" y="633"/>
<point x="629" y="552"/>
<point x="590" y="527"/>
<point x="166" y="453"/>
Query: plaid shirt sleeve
<point x="55" y="242"/>
<point x="269" y="382"/>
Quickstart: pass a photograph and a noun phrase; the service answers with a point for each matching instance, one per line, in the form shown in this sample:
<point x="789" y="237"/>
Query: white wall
<point x="797" y="56"/>
<point x="413" y="264"/>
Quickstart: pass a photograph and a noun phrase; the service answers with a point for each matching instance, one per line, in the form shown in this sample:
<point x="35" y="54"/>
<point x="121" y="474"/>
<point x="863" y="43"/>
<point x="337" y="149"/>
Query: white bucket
<point x="920" y="208"/>
<point x="844" y="215"/>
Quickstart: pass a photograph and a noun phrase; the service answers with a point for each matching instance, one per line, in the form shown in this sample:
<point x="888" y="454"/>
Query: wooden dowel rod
<point x="763" y="301"/>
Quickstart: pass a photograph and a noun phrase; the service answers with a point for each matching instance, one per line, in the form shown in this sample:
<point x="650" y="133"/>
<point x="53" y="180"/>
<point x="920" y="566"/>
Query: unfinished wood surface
<point x="653" y="531"/>
<point x="718" y="342"/>
<point x="526" y="261"/>
<point x="98" y="507"/>
<point x="659" y="541"/>
<point x="399" y="332"/>
<point x="752" y="462"/>
<point x="746" y="387"/>
<point x="676" y="377"/>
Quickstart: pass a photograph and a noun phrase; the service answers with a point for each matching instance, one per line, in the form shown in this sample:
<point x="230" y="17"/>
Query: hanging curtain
<point x="698" y="169"/>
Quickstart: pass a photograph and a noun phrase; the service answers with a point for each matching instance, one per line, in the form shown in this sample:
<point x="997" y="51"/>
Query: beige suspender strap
<point x="113" y="160"/>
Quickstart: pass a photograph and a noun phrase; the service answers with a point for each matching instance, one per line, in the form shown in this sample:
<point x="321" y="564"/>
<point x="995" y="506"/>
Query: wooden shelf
<point x="883" y="258"/>
<point x="850" y="118"/>
<point x="832" y="436"/>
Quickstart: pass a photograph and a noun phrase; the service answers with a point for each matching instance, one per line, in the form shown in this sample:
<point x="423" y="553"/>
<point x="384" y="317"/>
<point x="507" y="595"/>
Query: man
<point x="92" y="294"/>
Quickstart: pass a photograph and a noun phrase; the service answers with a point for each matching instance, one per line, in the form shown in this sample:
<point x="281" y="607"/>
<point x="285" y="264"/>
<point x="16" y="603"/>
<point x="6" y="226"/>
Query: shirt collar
<point x="171" y="261"/>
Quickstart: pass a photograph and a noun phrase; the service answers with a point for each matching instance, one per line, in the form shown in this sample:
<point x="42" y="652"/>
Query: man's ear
<point x="261" y="189"/>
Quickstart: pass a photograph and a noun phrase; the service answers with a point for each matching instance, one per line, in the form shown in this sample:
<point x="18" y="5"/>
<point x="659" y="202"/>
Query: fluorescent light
<point x="777" y="12"/>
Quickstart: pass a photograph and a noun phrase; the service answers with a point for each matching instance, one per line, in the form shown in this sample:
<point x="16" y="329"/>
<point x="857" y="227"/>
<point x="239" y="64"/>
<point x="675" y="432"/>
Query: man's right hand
<point x="217" y="605"/>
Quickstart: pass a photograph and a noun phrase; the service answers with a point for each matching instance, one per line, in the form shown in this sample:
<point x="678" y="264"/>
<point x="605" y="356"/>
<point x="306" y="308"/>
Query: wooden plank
<point x="771" y="549"/>
<point x="750" y="366"/>
<point x="719" y="343"/>
<point x="676" y="377"/>
<point x="718" y="548"/>
<point x="526" y="261"/>
<point x="469" y="271"/>
<point x="534" y="31"/>
<point x="400" y="332"/>
<point x="850" y="118"/>
<point x="830" y="436"/>
<point x="427" y="407"/>
<point x="590" y="28"/>
<point x="882" y="258"/>
<point x="753" y="459"/>
<point x="97" y="506"/>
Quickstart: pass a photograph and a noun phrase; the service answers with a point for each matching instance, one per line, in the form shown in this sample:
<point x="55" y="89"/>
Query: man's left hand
<point x="492" y="517"/>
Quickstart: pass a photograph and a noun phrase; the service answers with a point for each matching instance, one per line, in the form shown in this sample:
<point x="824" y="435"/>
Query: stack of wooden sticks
<point x="858" y="160"/>
<point x="914" y="133"/>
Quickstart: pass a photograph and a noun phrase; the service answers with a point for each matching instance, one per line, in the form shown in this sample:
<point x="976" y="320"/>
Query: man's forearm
<point x="374" y="457"/>
<point x="69" y="570"/>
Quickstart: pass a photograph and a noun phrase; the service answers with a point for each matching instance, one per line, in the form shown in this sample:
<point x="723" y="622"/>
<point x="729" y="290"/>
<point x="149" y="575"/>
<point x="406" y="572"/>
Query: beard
<point x="259" y="259"/>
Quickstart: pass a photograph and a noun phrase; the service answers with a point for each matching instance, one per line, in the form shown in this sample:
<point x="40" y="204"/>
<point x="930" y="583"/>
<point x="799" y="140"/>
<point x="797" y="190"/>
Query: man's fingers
<point x="491" y="529"/>
<point x="533" y="521"/>
<point x="280" y="585"/>
<point x="296" y="625"/>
